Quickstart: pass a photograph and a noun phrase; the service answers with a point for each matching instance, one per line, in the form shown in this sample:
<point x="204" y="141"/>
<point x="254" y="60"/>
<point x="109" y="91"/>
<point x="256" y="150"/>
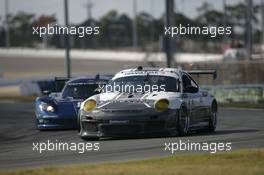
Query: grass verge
<point x="18" y="98"/>
<point x="246" y="162"/>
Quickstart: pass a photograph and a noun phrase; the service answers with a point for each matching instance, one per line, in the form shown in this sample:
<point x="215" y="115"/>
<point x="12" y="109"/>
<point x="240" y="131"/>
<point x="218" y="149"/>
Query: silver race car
<point x="147" y="101"/>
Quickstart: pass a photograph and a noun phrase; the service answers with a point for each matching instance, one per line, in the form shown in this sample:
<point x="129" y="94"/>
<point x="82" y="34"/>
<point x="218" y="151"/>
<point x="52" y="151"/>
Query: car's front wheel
<point x="183" y="122"/>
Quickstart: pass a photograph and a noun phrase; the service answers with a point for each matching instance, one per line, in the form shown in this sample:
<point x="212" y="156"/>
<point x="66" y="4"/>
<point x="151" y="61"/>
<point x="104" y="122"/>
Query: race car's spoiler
<point x="61" y="79"/>
<point x="203" y="72"/>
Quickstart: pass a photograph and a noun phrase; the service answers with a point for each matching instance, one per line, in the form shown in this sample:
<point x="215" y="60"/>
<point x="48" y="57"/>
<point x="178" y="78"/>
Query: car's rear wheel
<point x="183" y="122"/>
<point x="213" y="118"/>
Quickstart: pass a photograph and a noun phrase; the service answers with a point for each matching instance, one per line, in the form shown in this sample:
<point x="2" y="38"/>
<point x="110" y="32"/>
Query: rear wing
<point x="203" y="72"/>
<point x="61" y="79"/>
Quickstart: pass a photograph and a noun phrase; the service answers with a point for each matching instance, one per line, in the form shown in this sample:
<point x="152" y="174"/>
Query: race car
<point x="147" y="101"/>
<point x="59" y="110"/>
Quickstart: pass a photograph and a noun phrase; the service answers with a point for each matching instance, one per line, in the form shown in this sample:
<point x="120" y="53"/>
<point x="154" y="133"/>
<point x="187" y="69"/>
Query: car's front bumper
<point x="44" y="122"/>
<point x="122" y="124"/>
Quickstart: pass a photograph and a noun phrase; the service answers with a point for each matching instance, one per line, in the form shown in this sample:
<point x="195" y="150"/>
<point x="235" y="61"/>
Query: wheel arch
<point x="184" y="107"/>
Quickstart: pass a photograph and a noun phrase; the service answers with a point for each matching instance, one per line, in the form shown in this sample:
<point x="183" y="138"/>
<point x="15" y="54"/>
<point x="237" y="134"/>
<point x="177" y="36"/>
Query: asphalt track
<point x="243" y="127"/>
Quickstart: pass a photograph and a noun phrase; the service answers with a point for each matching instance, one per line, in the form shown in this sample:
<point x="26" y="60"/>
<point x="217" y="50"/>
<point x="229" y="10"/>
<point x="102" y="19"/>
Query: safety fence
<point x="250" y="93"/>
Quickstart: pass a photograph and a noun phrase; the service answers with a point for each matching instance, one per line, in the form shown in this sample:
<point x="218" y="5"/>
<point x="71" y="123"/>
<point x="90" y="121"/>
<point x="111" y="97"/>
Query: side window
<point x="194" y="84"/>
<point x="189" y="86"/>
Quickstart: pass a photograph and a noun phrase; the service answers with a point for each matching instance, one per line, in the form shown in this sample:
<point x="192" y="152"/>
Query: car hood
<point x="131" y="101"/>
<point x="67" y="106"/>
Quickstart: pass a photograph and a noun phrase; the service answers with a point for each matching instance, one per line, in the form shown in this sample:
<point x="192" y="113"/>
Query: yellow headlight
<point x="89" y="105"/>
<point x="162" y="105"/>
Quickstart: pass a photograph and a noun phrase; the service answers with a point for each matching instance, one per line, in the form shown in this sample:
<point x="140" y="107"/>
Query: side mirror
<point x="98" y="90"/>
<point x="204" y="94"/>
<point x="46" y="92"/>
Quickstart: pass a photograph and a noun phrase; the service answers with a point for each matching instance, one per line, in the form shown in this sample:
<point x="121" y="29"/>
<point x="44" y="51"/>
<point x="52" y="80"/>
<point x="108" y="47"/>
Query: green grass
<point x="245" y="162"/>
<point x="18" y="98"/>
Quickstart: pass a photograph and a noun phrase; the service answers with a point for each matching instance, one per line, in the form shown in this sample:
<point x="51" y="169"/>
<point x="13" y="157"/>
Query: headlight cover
<point x="89" y="105"/>
<point x="162" y="105"/>
<point x="46" y="107"/>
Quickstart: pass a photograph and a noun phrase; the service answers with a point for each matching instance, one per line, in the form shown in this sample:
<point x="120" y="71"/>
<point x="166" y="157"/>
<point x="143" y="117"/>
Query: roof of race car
<point x="172" y="72"/>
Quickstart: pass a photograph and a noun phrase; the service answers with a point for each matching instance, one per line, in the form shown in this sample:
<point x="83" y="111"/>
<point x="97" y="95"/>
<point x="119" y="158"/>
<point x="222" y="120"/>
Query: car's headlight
<point x="89" y="105"/>
<point x="46" y="107"/>
<point x="162" y="105"/>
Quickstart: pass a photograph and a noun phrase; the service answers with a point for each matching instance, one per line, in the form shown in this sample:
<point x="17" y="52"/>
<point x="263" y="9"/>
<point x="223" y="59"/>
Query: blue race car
<point x="59" y="110"/>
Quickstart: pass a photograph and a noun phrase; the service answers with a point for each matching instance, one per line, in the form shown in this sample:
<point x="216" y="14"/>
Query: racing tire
<point x="213" y="119"/>
<point x="183" y="122"/>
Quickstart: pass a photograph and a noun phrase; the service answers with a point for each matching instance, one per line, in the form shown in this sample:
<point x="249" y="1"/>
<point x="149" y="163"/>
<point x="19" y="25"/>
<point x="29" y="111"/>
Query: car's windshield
<point x="143" y="83"/>
<point x="79" y="90"/>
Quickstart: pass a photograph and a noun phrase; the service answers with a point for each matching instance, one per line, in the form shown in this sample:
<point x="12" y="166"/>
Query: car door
<point x="200" y="110"/>
<point x="192" y="98"/>
<point x="203" y="108"/>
